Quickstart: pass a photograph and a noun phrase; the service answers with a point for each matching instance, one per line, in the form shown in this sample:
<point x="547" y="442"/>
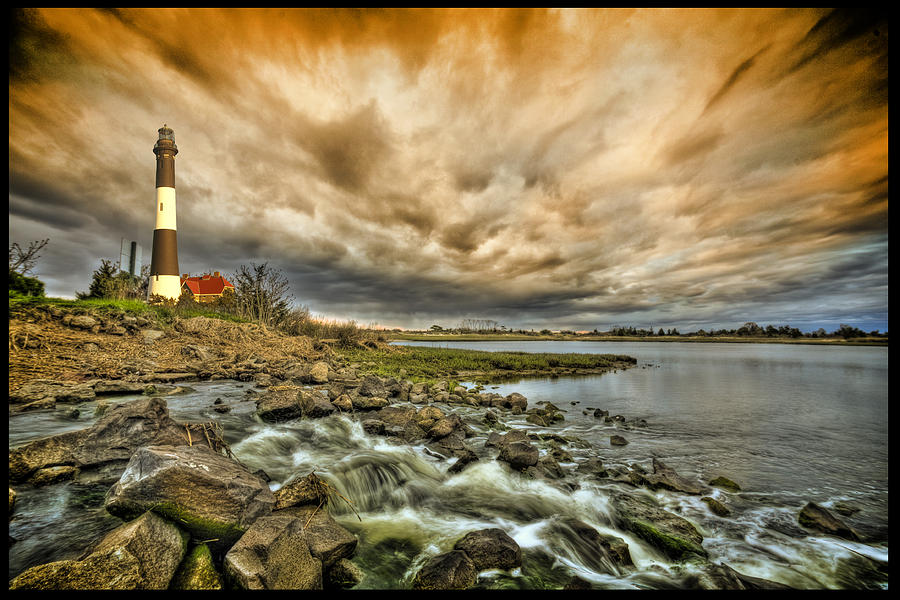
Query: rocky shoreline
<point x="195" y="517"/>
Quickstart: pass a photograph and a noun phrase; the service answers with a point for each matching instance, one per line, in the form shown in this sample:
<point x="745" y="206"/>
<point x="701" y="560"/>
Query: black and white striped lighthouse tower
<point x="165" y="279"/>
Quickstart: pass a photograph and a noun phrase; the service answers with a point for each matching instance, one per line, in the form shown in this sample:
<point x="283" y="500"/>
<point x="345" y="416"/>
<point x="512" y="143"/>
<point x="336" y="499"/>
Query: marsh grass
<point x="424" y="363"/>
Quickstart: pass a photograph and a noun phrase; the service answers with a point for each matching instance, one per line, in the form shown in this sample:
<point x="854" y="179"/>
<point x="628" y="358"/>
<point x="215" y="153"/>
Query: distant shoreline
<point x="600" y="338"/>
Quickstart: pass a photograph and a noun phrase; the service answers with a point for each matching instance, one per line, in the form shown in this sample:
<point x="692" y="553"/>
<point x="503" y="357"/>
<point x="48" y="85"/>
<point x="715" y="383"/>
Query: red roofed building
<point x="206" y="288"/>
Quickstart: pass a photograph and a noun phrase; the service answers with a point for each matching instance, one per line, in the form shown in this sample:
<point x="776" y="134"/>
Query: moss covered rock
<point x="725" y="484"/>
<point x="197" y="571"/>
<point x="672" y="535"/>
<point x="210" y="495"/>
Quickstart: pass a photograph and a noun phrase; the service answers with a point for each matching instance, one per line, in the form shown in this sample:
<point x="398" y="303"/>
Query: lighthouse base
<point x="167" y="286"/>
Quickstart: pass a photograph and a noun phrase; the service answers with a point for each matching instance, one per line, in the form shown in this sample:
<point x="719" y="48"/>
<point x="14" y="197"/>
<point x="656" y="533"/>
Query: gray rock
<point x="369" y="402"/>
<point x="519" y="455"/>
<point x="716" y="506"/>
<point x="318" y="373"/>
<point x="452" y="570"/>
<point x="82" y="322"/>
<point x="273" y="555"/>
<point x="490" y="549"/>
<point x="816" y="517"/>
<point x="515" y="401"/>
<point x="301" y="491"/>
<point x="372" y="386"/>
<point x="59" y="391"/>
<point x="343" y="574"/>
<point x="110" y="442"/>
<point x="343" y="403"/>
<point x="672" y="535"/>
<point x="314" y="405"/>
<point x="52" y="475"/>
<point x="445" y="426"/>
<point x="210" y="495"/>
<point x="149" y="336"/>
<point x="327" y="540"/>
<point x="117" y="386"/>
<point x="142" y="554"/>
<point x="725" y="483"/>
<point x="279" y="405"/>
<point x="664" y="477"/>
<point x="617" y="440"/>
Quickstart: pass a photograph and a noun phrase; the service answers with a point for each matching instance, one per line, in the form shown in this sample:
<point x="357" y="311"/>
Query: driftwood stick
<point x="188" y="429"/>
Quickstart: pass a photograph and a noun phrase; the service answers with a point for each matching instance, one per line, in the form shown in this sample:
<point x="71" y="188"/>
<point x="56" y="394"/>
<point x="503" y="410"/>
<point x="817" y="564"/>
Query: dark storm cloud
<point x="551" y="168"/>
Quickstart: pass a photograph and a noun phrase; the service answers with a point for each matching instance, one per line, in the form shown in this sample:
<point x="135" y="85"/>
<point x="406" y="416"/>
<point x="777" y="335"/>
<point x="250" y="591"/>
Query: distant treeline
<point x="484" y="326"/>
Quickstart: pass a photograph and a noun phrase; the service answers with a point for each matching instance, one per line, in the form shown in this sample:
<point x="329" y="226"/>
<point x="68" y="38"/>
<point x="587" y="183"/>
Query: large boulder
<point x="279" y="405"/>
<point x="142" y="554"/>
<point x="210" y="495"/>
<point x="672" y="535"/>
<point x="314" y="405"/>
<point x="273" y="555"/>
<point x="816" y="517"/>
<point x="491" y="549"/>
<point x="108" y="444"/>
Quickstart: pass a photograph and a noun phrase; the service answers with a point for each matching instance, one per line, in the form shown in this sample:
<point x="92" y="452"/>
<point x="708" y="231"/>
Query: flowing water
<point x="791" y="424"/>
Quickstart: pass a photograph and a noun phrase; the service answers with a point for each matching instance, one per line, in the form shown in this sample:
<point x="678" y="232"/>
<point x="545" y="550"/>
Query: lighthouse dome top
<point x="166" y="133"/>
<point x="166" y="140"/>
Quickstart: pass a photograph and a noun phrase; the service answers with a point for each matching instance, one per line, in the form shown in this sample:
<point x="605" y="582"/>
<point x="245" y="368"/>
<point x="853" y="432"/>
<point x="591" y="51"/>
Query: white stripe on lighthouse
<point x="166" y="285"/>
<point x="165" y="208"/>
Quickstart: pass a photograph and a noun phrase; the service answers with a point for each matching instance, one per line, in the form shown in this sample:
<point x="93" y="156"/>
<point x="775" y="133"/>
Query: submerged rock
<point x="142" y="554"/>
<point x="664" y="477"/>
<point x="725" y="483"/>
<point x="490" y="549"/>
<point x="617" y="440"/>
<point x="452" y="570"/>
<point x="816" y="517"/>
<point x="716" y="506"/>
<point x="210" y="495"/>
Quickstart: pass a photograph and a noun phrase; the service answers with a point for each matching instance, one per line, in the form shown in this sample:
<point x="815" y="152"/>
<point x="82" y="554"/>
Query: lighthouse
<point x="165" y="279"/>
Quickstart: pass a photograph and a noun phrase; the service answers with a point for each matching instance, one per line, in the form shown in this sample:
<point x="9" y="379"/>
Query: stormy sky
<point x="573" y="169"/>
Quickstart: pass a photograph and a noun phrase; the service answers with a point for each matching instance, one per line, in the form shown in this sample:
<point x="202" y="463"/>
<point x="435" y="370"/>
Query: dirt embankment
<point x="52" y="343"/>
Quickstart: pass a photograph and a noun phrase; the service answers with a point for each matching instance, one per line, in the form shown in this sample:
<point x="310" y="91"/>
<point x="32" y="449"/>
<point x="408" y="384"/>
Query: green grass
<point x="428" y="364"/>
<point x="164" y="315"/>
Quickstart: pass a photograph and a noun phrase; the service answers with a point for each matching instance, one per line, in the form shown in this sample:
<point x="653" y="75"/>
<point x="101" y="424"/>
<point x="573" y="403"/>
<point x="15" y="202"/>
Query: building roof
<point x="206" y="284"/>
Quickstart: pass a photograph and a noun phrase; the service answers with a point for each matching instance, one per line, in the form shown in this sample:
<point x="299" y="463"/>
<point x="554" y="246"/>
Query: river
<point x="789" y="423"/>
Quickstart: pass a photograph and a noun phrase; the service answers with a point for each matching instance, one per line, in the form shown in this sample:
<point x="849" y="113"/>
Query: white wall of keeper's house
<point x="165" y="208"/>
